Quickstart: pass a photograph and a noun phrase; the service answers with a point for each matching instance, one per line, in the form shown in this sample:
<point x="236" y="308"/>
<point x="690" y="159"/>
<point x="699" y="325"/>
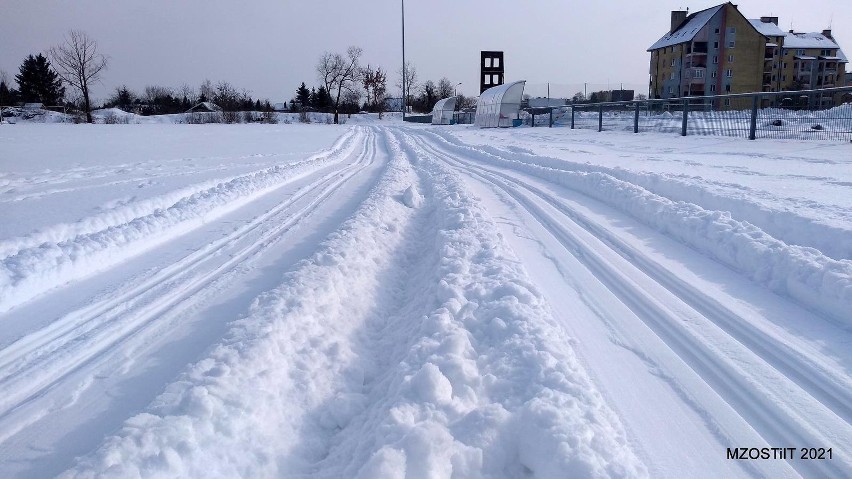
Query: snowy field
<point x="379" y="300"/>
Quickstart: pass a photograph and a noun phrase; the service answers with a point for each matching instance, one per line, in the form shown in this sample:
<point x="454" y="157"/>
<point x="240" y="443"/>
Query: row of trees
<point x="161" y="100"/>
<point x="78" y="64"/>
<point x="344" y="84"/>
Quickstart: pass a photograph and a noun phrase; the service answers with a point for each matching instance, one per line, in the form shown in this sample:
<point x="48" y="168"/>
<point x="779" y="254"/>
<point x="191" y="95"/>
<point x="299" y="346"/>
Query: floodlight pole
<point x="454" y="89"/>
<point x="404" y="72"/>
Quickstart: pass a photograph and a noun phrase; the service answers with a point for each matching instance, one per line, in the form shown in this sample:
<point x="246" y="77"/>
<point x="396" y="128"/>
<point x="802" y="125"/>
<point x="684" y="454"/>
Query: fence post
<point x="753" y="126"/>
<point x="685" y="114"/>
<point x="636" y="119"/>
<point x="600" y="116"/>
<point x="572" y="117"/>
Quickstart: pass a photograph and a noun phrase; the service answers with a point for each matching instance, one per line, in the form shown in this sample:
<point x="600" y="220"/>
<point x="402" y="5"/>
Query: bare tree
<point x="206" y="91"/>
<point x="186" y="91"/>
<point x="410" y="73"/>
<point x="375" y="84"/>
<point x="79" y="64"/>
<point x="338" y="74"/>
<point x="445" y="88"/>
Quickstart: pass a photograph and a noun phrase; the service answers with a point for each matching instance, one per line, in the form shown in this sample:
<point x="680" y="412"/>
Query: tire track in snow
<point x="88" y="339"/>
<point x="761" y="398"/>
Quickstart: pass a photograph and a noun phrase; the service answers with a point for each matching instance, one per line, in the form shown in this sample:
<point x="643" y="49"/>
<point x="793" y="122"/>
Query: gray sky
<point x="269" y="47"/>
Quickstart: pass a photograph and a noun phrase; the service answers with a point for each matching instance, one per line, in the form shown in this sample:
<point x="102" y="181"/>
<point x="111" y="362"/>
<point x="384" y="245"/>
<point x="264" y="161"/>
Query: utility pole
<point x="404" y="70"/>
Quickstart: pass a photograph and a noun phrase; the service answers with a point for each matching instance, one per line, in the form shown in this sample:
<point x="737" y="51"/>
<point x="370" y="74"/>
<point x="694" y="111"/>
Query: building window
<point x="800" y="52"/>
<point x="729" y="73"/>
<point x="715" y="59"/>
<point x="731" y="44"/>
<point x="727" y="102"/>
<point x="673" y="61"/>
<point x="496" y="63"/>
<point x="728" y="87"/>
<point x="786" y="52"/>
<point x="670" y="90"/>
<point x="673" y="76"/>
<point x="730" y="59"/>
<point x="716" y="31"/>
<point x="732" y="30"/>
<point x="713" y="74"/>
<point x="698" y="73"/>
<point x="795" y="65"/>
<point x="712" y="88"/>
<point x="487" y="63"/>
<point x="783" y="77"/>
<point x="716" y="45"/>
<point x="784" y="65"/>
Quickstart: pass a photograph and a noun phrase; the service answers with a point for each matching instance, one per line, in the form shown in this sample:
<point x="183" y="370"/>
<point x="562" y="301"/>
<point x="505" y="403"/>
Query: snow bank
<point x="805" y="274"/>
<point x="35" y="263"/>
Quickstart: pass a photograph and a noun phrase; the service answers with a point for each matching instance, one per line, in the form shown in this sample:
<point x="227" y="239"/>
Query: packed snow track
<point x="389" y="300"/>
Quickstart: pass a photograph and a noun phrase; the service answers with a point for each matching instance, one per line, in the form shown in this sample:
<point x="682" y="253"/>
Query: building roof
<point x="808" y="40"/>
<point x="769" y="29"/>
<point x="687" y="30"/>
<point x="795" y="40"/>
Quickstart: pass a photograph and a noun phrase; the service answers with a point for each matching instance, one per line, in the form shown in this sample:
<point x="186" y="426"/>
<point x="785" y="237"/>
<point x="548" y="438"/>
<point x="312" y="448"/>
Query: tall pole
<point x="404" y="69"/>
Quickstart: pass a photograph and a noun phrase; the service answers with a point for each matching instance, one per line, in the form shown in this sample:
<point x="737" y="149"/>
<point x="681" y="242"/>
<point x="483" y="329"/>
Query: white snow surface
<point x="387" y="300"/>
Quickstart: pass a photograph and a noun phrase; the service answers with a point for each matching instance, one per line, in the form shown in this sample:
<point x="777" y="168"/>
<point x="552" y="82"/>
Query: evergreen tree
<point x="303" y="95"/>
<point x="323" y="100"/>
<point x="7" y="96"/>
<point x="37" y="82"/>
<point x="312" y="99"/>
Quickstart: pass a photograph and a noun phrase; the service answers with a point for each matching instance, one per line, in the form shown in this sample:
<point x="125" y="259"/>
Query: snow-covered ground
<point x="386" y="300"/>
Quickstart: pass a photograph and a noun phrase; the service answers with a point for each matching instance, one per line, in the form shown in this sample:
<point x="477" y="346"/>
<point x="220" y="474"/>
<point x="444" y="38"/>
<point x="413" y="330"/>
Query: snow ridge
<point x="33" y="264"/>
<point x="805" y="274"/>
<point x="788" y="226"/>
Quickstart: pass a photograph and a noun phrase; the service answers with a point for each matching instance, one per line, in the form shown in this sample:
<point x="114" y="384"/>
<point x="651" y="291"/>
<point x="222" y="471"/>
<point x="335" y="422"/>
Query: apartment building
<point x="718" y="50"/>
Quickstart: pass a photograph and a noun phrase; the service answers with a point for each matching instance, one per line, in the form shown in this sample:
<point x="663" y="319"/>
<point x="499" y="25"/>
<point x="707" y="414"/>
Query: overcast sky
<point x="270" y="46"/>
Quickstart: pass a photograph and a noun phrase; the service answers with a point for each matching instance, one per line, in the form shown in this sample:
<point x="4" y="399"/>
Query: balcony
<point x="697" y="48"/>
<point x="697" y="75"/>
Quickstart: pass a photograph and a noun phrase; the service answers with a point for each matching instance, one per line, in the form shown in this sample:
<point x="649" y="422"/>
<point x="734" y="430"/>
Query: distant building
<point x="545" y="102"/>
<point x="612" y="95"/>
<point x="718" y="50"/>
<point x="205" y="107"/>
<point x="491" y="70"/>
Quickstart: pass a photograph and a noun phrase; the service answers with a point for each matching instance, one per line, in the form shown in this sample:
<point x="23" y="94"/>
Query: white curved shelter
<point x="442" y="114"/>
<point x="499" y="105"/>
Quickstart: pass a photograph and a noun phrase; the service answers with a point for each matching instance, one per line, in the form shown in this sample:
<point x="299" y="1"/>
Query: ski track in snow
<point x="486" y="311"/>
<point x="772" y="406"/>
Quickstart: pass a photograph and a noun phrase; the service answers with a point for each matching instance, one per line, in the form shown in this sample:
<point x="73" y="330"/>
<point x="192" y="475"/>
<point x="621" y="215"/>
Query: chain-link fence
<point x="810" y="114"/>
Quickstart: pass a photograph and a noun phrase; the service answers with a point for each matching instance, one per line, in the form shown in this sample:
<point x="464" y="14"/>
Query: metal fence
<point x="809" y="114"/>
